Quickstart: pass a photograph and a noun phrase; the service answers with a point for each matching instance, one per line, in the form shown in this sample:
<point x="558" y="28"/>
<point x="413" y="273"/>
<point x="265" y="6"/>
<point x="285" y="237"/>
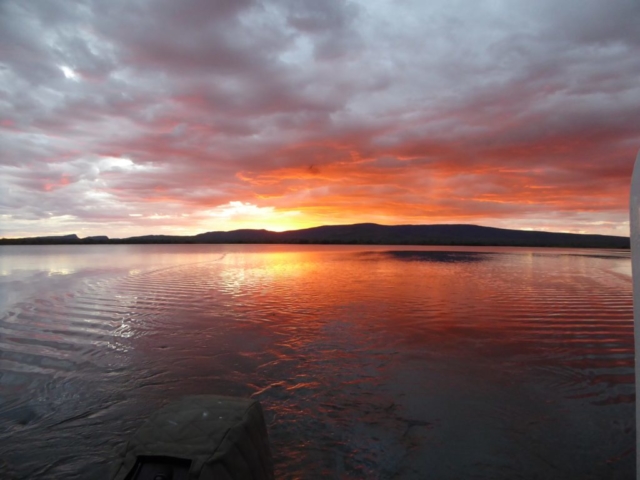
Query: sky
<point x="130" y="117"/>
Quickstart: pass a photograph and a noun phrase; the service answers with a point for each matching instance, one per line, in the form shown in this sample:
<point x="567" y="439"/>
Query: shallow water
<point x="371" y="362"/>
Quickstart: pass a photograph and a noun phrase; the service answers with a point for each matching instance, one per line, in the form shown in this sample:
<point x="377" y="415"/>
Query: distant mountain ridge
<point x="361" y="234"/>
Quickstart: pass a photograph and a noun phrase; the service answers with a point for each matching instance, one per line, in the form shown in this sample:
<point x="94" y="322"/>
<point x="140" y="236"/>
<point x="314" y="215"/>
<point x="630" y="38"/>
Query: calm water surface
<point x="371" y="362"/>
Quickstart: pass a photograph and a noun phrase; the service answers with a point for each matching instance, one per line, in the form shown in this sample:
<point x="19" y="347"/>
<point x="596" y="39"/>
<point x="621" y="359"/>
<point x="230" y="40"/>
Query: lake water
<point x="370" y="362"/>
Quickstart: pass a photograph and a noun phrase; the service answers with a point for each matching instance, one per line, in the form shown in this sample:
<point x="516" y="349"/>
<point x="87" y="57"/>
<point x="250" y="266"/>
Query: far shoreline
<point x="358" y="234"/>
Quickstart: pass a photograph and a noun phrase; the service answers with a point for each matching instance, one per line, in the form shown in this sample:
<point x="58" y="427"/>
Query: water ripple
<point x="370" y="364"/>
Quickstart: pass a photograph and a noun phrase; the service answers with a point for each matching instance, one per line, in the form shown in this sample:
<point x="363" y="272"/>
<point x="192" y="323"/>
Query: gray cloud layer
<point x="518" y="113"/>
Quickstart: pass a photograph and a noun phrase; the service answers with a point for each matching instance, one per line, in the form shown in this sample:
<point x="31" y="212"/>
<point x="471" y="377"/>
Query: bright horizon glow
<point x="160" y="224"/>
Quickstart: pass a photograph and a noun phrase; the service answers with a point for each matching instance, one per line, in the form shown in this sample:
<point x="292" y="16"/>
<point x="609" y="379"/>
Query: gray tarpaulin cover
<point x="223" y="437"/>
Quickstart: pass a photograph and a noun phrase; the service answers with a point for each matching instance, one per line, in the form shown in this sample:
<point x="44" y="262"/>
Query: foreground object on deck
<point x="200" y="437"/>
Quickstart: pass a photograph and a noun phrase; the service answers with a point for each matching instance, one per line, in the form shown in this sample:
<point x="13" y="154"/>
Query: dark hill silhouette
<point x="365" y="234"/>
<point x="371" y="233"/>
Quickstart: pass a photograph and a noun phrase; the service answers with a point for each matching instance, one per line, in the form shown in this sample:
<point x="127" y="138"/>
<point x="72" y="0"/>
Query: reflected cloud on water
<point x="439" y="256"/>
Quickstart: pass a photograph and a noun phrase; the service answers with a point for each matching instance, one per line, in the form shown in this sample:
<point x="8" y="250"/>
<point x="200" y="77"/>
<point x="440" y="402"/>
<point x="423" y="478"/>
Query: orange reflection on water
<point x="366" y="359"/>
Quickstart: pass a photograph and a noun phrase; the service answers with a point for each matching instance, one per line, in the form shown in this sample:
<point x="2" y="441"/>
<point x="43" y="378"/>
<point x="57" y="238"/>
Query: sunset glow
<point x="155" y="116"/>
